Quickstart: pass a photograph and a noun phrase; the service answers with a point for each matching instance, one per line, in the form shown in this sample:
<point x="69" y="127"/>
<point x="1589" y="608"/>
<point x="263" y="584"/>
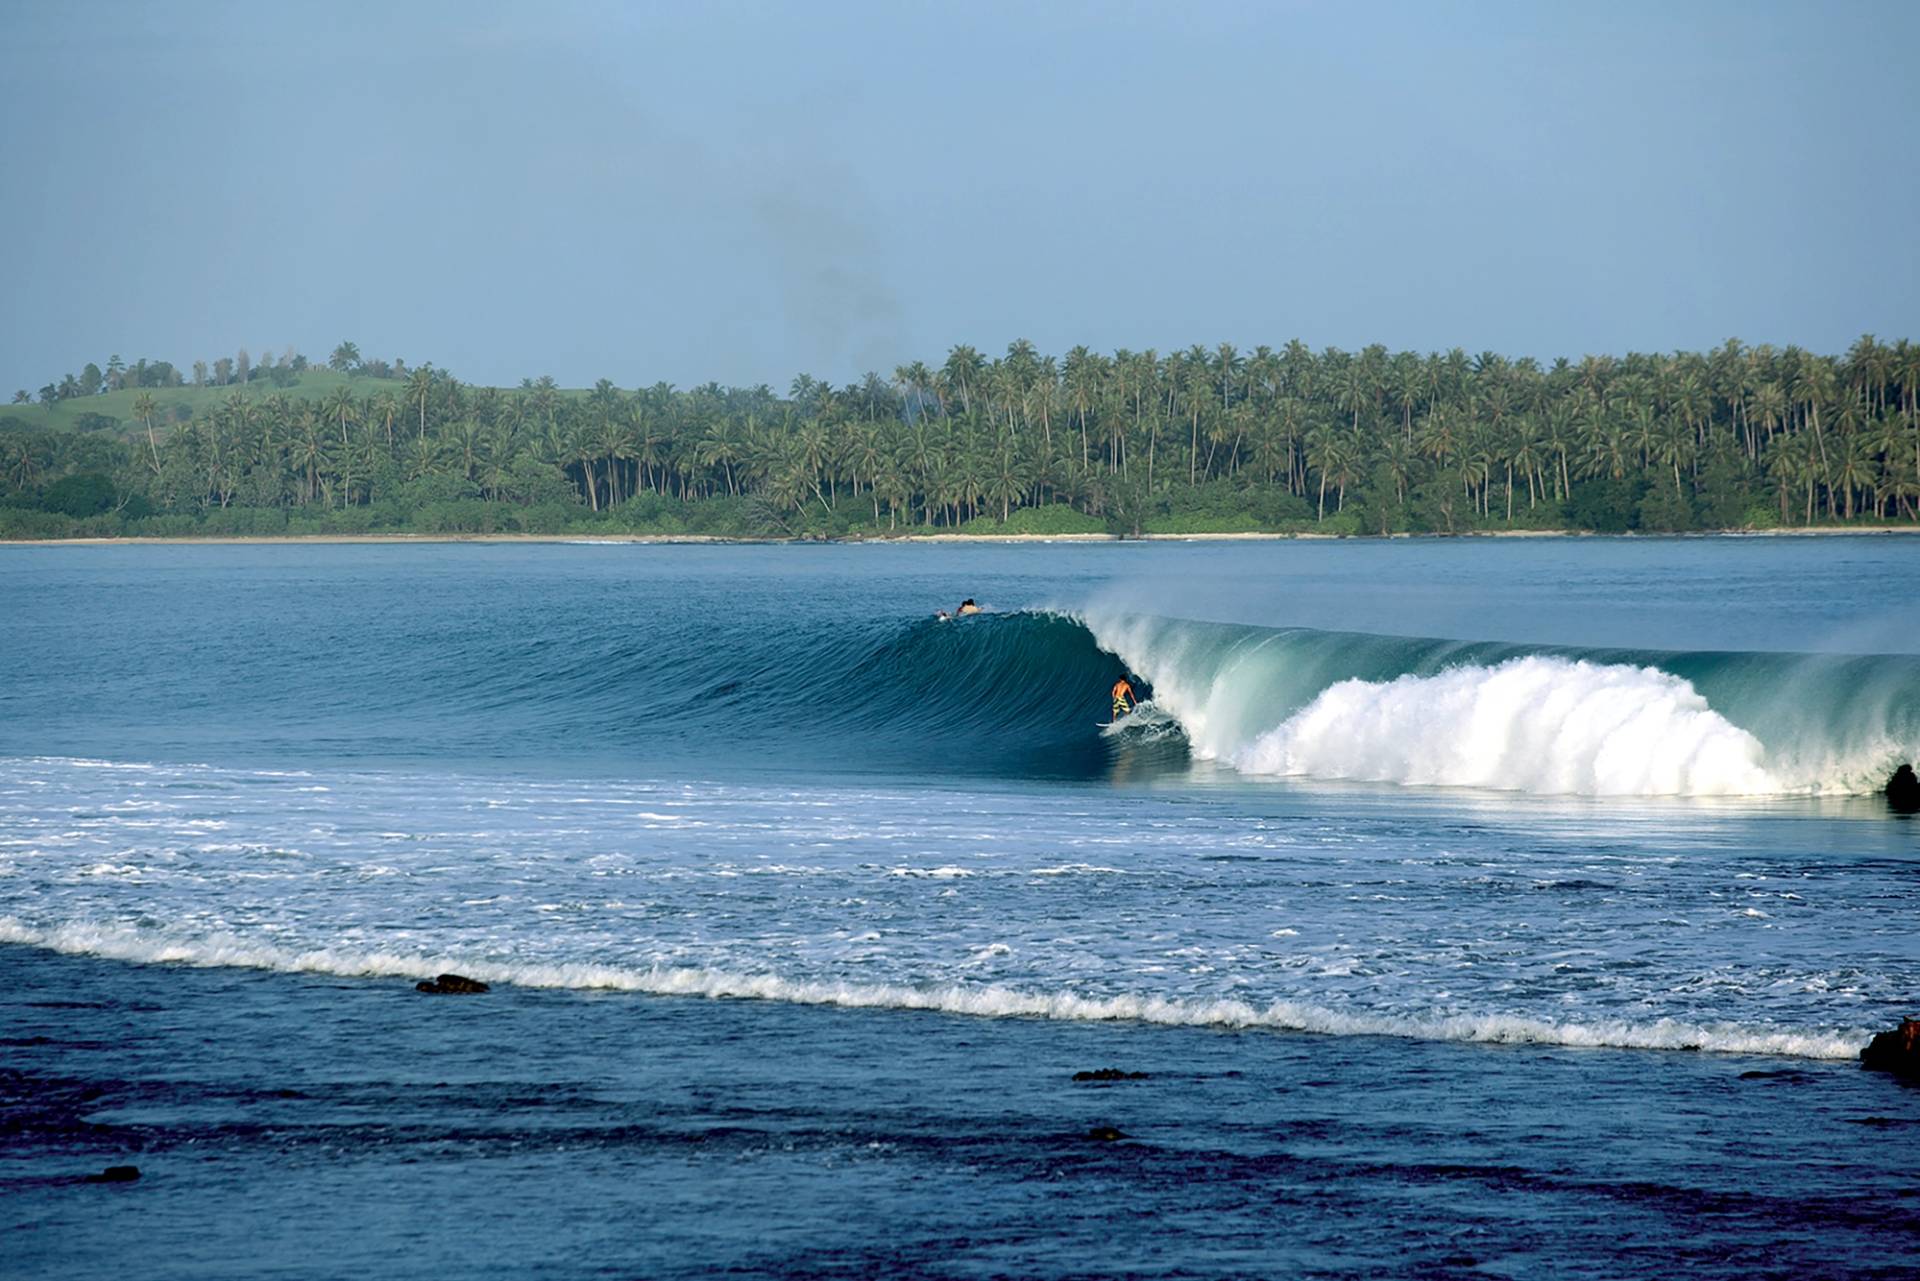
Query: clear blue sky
<point x="744" y="191"/>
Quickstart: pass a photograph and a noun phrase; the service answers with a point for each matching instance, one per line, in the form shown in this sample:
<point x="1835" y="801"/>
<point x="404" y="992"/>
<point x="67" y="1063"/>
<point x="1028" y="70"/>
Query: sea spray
<point x="1528" y="724"/>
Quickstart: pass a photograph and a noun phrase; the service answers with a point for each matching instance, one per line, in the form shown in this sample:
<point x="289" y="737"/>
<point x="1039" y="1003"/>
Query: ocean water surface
<point x="1492" y="908"/>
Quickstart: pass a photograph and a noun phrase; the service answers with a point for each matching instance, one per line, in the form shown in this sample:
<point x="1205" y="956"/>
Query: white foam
<point x="1532" y="724"/>
<point x="983" y="1000"/>
<point x="86" y="762"/>
<point x="1538" y="723"/>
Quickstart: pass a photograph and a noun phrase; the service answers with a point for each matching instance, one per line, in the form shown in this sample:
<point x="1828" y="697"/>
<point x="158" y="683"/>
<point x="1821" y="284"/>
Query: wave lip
<point x="981" y="1001"/>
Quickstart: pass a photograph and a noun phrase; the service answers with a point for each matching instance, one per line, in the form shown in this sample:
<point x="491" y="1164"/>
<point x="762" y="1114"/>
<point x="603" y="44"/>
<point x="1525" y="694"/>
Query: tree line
<point x="1352" y="442"/>
<point x="223" y="371"/>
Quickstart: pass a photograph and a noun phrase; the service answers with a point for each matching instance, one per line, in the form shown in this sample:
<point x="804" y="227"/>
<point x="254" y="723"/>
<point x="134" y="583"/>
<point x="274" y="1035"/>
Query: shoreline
<point x="946" y="538"/>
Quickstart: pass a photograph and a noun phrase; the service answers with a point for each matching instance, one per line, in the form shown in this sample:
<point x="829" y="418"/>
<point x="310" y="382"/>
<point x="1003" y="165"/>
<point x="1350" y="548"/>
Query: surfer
<point x="967" y="607"/>
<point x="1123" y="698"/>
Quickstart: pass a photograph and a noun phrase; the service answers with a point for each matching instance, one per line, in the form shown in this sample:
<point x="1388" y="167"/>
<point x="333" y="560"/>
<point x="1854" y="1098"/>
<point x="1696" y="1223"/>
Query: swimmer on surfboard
<point x="1123" y="698"/>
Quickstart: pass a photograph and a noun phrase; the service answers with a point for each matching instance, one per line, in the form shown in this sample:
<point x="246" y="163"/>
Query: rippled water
<point x="603" y="776"/>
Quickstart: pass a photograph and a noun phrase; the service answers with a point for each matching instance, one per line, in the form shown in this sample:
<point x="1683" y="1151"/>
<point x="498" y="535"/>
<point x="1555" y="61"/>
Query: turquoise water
<point x="1423" y="864"/>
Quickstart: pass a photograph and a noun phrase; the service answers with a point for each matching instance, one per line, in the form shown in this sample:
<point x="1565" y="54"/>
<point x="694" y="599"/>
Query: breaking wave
<point x="1333" y="705"/>
<point x="1024" y="694"/>
<point x="980" y="1001"/>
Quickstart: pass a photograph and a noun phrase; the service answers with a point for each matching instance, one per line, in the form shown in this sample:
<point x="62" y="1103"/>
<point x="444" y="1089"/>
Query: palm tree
<point x="1197" y="381"/>
<point x="962" y="373"/>
<point x="788" y="484"/>
<point x="613" y="439"/>
<point x="1768" y="403"/>
<point x="1609" y="449"/>
<point x="1673" y="444"/>
<point x="1853" y="468"/>
<point x="1227" y="365"/>
<point x="386" y="407"/>
<point x="1886" y="442"/>
<point x="26" y="459"/>
<point x="308" y="452"/>
<point x="419" y="388"/>
<point x="814" y="445"/>
<point x="1439" y="436"/>
<point x="469" y="447"/>
<point x="867" y="453"/>
<point x="143" y="407"/>
<point x="342" y="408"/>
<point x="892" y="485"/>
<point x="1561" y="437"/>
<point x="1325" y="455"/>
<point x="720" y="447"/>
<point x="1398" y="459"/>
<point x="1524" y="445"/>
<point x="422" y="458"/>
<point x="584" y="450"/>
<point x="1006" y="482"/>
<point x="1269" y="455"/>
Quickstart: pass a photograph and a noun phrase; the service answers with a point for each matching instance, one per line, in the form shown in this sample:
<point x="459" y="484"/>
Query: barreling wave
<point x="1025" y="693"/>
<point x="1334" y="705"/>
<point x="121" y="943"/>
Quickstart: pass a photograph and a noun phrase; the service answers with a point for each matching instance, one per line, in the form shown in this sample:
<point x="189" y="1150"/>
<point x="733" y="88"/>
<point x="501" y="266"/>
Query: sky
<point x="748" y="191"/>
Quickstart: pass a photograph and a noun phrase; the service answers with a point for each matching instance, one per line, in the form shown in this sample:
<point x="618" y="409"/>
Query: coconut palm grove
<point x="1203" y="440"/>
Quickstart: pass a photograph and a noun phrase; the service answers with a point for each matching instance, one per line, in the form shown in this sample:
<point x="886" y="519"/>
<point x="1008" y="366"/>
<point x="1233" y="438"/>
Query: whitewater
<point x="1446" y="713"/>
<point x="983" y="1001"/>
<point x="1420" y="865"/>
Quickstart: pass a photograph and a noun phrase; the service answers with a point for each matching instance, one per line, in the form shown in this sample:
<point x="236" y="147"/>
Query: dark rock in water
<point x="451" y="985"/>
<point x="116" y="1174"/>
<point x="1903" y="791"/>
<point x="1109" y="1074"/>
<point x="1105" y="1134"/>
<point x="1897" y="1051"/>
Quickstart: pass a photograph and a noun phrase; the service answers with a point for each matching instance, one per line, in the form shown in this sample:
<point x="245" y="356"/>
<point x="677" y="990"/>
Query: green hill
<point x="177" y="404"/>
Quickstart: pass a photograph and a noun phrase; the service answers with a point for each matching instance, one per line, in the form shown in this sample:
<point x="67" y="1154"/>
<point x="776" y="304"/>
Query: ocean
<point x="1509" y="907"/>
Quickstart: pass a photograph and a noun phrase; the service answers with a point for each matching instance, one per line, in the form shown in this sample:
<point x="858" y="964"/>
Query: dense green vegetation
<point x="1199" y="441"/>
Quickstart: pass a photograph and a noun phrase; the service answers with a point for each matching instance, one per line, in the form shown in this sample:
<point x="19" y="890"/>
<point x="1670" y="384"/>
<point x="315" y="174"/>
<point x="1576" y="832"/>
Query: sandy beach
<point x="683" y="539"/>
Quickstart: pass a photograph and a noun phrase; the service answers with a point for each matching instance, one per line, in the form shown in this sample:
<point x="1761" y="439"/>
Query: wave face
<point x="975" y="691"/>
<point x="1335" y="705"/>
